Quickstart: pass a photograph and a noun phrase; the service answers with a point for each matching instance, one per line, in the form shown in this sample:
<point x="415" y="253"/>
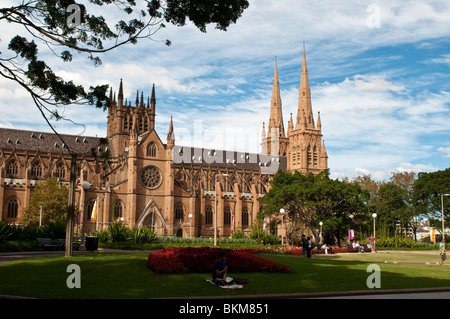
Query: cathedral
<point x="144" y="179"/>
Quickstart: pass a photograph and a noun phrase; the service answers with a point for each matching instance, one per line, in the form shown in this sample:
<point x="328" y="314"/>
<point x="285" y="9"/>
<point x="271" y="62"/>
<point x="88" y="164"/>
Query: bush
<point x="200" y="260"/>
<point x="265" y="238"/>
<point x="238" y="234"/>
<point x="118" y="232"/>
<point x="143" y="235"/>
<point x="12" y="232"/>
<point x="53" y="230"/>
<point x="395" y="242"/>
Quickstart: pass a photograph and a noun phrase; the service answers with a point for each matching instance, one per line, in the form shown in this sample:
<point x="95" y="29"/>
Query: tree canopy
<point x="310" y="199"/>
<point x="68" y="26"/>
<point x="427" y="194"/>
<point x="54" y="199"/>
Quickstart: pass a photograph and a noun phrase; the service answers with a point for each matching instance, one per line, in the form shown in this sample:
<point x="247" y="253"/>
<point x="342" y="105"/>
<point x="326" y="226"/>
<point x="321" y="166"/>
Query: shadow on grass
<point x="127" y="276"/>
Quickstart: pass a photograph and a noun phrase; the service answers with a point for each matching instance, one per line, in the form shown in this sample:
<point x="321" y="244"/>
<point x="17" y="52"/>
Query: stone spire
<point x="141" y="105"/>
<point x="153" y="100"/>
<point x="137" y="98"/>
<point x="120" y="96"/>
<point x="171" y="135"/>
<point x="276" y="114"/>
<point x="153" y="109"/>
<point x="304" y="101"/>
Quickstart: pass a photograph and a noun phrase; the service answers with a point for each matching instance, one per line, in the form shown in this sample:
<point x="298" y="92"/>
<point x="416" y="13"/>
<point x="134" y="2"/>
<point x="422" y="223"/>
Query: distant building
<point x="148" y="181"/>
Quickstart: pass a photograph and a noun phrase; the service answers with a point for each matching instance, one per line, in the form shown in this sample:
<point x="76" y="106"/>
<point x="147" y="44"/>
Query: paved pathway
<point x="11" y="256"/>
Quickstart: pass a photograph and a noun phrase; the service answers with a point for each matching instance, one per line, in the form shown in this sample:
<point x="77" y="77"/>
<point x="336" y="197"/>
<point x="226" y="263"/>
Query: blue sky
<point x="382" y="90"/>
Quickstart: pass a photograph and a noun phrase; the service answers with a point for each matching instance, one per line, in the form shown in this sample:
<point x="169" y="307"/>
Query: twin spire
<point x="305" y="118"/>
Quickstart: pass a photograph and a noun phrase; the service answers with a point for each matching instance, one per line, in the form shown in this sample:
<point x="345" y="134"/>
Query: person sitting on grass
<point x="220" y="272"/>
<point x="220" y="269"/>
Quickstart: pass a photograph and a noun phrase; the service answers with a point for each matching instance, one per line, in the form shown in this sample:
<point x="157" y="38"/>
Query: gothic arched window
<point x="12" y="207"/>
<point x="60" y="171"/>
<point x="151" y="149"/>
<point x="12" y="168"/>
<point x="36" y="169"/>
<point x="227" y="216"/>
<point x="315" y="156"/>
<point x="310" y="156"/>
<point x="245" y="217"/>
<point x="118" y="209"/>
<point x="209" y="216"/>
<point x="179" y="212"/>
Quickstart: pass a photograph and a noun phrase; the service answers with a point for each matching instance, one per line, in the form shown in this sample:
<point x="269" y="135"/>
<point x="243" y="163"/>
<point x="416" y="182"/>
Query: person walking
<point x="304" y="245"/>
<point x="308" y="247"/>
<point x="442" y="251"/>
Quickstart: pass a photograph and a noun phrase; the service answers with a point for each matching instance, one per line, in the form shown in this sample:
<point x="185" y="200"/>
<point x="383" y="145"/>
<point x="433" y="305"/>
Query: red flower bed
<point x="200" y="260"/>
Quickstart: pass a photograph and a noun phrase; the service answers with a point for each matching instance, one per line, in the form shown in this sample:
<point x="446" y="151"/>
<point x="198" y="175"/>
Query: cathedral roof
<point x="228" y="159"/>
<point x="47" y="142"/>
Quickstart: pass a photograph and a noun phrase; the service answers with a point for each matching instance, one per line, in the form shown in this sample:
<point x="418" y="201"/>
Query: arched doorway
<point x="180" y="233"/>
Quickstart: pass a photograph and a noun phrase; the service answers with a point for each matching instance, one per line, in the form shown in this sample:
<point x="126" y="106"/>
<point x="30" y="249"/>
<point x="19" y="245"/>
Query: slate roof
<point x="47" y="142"/>
<point x="268" y="164"/>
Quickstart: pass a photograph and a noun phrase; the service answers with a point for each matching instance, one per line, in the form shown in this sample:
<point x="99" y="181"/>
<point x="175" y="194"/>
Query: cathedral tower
<point x="123" y="118"/>
<point x="302" y="145"/>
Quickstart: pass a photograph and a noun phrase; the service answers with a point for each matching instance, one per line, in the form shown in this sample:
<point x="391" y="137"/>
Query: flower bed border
<point x="200" y="260"/>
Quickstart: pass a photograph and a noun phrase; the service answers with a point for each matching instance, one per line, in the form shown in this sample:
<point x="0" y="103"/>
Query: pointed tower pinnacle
<point x="276" y="114"/>
<point x="290" y="125"/>
<point x="152" y="105"/>
<point x="120" y="96"/>
<point x="137" y="98"/>
<point x="153" y="100"/>
<point x="171" y="135"/>
<point x="304" y="101"/>
<point x="319" y="122"/>
<point x="142" y="100"/>
<point x="263" y="135"/>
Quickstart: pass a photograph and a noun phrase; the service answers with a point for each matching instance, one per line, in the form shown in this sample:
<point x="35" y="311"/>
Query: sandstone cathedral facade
<point x="143" y="179"/>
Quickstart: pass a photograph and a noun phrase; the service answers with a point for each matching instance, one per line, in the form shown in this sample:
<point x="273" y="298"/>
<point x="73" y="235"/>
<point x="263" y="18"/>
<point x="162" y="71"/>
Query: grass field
<point x="125" y="275"/>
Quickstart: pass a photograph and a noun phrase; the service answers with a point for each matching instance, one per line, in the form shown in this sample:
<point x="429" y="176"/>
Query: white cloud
<point x="445" y="151"/>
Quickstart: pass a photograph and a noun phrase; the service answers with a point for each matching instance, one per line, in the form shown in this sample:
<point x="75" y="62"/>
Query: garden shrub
<point x="200" y="260"/>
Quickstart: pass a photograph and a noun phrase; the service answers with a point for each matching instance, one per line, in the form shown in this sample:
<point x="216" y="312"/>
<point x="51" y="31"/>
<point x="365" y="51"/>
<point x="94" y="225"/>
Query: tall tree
<point x="67" y="27"/>
<point x="427" y="193"/>
<point x="393" y="208"/>
<point x="310" y="199"/>
<point x="54" y="199"/>
<point x="405" y="180"/>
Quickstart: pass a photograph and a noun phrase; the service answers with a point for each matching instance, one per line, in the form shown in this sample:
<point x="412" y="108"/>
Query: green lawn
<point x="122" y="275"/>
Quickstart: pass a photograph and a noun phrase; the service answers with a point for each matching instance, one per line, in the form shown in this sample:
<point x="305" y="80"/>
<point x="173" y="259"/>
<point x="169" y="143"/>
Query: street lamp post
<point x="282" y="211"/>
<point x="374" y="215"/>
<point x="320" y="224"/>
<point x="40" y="214"/>
<point x="215" y="207"/>
<point x="190" y="225"/>
<point x="442" y="207"/>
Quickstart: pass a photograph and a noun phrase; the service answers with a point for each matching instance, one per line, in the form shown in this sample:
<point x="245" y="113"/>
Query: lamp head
<point x="86" y="185"/>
